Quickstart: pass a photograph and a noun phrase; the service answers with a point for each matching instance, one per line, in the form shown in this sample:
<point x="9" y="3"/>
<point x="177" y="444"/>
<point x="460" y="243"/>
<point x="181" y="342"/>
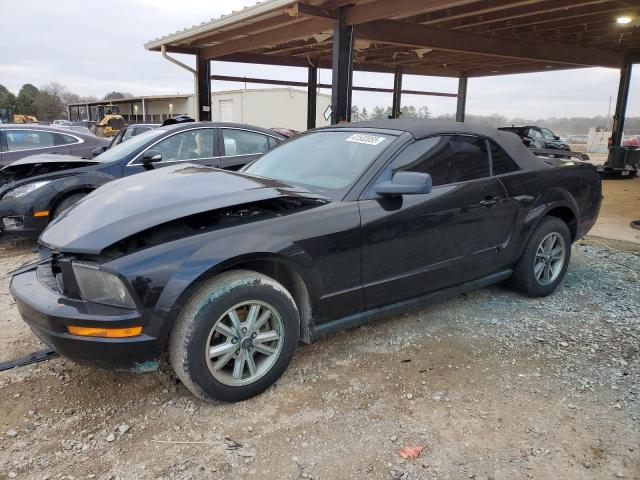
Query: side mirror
<point x="405" y="183"/>
<point x="151" y="156"/>
<point x="97" y="151"/>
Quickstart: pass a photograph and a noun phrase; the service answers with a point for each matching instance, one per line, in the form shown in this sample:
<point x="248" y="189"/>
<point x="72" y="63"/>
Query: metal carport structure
<point x="450" y="38"/>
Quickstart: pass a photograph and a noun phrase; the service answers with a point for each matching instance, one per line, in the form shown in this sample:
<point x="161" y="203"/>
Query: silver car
<point x="21" y="140"/>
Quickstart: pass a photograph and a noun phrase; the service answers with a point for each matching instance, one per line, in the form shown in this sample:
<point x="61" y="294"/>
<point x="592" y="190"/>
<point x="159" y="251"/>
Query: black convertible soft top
<point x="510" y="142"/>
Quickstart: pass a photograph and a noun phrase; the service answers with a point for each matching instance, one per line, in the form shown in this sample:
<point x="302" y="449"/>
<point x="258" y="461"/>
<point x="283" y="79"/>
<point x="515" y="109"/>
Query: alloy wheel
<point x="549" y="259"/>
<point x="244" y="343"/>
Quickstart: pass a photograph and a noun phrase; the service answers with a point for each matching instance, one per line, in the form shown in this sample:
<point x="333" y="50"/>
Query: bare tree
<point x="117" y="95"/>
<point x="51" y="103"/>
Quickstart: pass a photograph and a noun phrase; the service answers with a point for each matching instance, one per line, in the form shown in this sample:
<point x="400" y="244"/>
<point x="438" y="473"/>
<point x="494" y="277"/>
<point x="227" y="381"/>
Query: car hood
<point x="133" y="204"/>
<point x="43" y="164"/>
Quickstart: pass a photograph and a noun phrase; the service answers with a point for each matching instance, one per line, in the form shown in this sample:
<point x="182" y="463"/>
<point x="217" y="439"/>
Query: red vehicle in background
<point x="631" y="141"/>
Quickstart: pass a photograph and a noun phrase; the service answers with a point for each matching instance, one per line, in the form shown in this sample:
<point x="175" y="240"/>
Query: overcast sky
<point x="94" y="47"/>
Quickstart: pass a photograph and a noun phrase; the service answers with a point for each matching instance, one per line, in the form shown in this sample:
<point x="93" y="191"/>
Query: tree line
<point x="561" y="126"/>
<point x="49" y="102"/>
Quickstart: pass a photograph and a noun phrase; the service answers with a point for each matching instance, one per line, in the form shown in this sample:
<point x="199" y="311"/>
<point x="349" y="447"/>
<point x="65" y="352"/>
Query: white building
<point x="268" y="108"/>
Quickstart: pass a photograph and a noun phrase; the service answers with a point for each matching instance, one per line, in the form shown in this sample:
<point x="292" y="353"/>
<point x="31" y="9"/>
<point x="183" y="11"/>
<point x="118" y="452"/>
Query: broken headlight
<point x="102" y="287"/>
<point x="24" y="189"/>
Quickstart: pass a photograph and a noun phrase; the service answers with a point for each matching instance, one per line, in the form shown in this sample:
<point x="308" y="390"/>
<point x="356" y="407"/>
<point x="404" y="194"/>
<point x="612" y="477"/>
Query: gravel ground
<point x="492" y="385"/>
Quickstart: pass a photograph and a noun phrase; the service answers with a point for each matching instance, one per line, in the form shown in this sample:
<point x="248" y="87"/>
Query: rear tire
<point x="67" y="203"/>
<point x="545" y="259"/>
<point x="235" y="336"/>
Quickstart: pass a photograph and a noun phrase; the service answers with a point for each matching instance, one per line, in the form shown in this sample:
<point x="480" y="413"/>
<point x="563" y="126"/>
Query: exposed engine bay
<point x="19" y="171"/>
<point x="211" y="220"/>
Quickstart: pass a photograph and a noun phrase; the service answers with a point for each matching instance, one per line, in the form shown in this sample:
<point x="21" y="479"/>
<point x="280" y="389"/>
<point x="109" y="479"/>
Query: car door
<point x="536" y="139"/>
<point x="76" y="145"/>
<point x="195" y="145"/>
<point x="239" y="147"/>
<point x="20" y="143"/>
<point x="550" y="138"/>
<point x="416" y="244"/>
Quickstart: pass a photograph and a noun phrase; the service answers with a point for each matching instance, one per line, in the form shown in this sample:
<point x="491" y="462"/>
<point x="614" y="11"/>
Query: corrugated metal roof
<point x="131" y="99"/>
<point x="253" y="12"/>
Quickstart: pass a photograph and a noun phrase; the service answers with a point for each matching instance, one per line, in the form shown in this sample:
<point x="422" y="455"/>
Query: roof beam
<point x="243" y="29"/>
<point x="470" y="10"/>
<point x="539" y="22"/>
<point x="313" y="11"/>
<point x="303" y="29"/>
<point x="263" y="59"/>
<point x="422" y="36"/>
<point x="290" y="83"/>
<point x="561" y="31"/>
<point x="384" y="9"/>
<point x="325" y="62"/>
<point x="515" y="69"/>
<point x="536" y="10"/>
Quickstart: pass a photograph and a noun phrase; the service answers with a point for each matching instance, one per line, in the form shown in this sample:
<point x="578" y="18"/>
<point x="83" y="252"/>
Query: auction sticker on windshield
<point x="367" y="139"/>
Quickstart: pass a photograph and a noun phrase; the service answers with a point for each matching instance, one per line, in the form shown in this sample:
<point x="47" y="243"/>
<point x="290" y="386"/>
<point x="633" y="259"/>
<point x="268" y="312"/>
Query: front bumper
<point x="17" y="217"/>
<point x="48" y="313"/>
<point x="22" y="224"/>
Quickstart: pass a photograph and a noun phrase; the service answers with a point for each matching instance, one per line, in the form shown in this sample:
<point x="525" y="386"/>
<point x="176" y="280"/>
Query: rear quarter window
<point x="61" y="139"/>
<point x="502" y="162"/>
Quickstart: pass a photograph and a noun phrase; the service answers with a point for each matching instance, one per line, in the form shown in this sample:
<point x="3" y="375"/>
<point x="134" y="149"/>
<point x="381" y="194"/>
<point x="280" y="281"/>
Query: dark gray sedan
<point x="21" y="140"/>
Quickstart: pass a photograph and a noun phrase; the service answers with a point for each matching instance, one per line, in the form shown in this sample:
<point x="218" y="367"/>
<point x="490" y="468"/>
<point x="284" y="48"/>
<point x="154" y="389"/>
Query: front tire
<point x="67" y="203"/>
<point x="235" y="336"/>
<point x="545" y="259"/>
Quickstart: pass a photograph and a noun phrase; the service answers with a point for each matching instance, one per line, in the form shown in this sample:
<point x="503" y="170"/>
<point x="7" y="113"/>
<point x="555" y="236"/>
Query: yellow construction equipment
<point x="20" y="118"/>
<point x="110" y="123"/>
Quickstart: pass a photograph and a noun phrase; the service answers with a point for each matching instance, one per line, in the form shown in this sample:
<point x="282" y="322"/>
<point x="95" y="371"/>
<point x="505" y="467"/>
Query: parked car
<point x="23" y="140"/>
<point x="125" y="134"/>
<point x="578" y="139"/>
<point x="37" y="189"/>
<point x="77" y="128"/>
<point x="631" y="141"/>
<point x="84" y="123"/>
<point x="538" y="138"/>
<point x="287" y="132"/>
<point x="330" y="229"/>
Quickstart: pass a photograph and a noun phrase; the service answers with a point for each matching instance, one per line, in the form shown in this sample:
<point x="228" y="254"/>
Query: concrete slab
<point x="620" y="206"/>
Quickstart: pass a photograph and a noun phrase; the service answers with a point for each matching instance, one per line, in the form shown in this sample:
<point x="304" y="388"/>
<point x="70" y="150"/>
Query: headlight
<point x="102" y="287"/>
<point x="24" y="189"/>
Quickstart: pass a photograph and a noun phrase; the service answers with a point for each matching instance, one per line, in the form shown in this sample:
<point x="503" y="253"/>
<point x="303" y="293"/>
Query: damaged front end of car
<point x="109" y="300"/>
<point x="37" y="165"/>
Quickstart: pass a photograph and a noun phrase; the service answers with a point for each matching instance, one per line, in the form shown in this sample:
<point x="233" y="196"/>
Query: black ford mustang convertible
<point x="229" y="270"/>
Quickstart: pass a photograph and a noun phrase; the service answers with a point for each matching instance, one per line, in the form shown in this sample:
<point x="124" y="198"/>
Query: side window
<point x="502" y="162"/>
<point x="242" y="142"/>
<point x="61" y="139"/>
<point x="273" y="142"/>
<point x="548" y="134"/>
<point x="28" y="140"/>
<point x="139" y="130"/>
<point x="189" y="145"/>
<point x="535" y="134"/>
<point x="128" y="133"/>
<point x="448" y="159"/>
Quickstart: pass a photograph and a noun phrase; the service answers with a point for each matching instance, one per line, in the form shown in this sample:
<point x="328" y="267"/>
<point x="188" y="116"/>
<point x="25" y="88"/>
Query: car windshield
<point x="123" y="149"/>
<point x="325" y="161"/>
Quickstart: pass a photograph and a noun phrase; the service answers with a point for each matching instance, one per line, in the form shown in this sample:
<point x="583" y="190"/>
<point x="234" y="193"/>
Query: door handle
<point x="489" y="202"/>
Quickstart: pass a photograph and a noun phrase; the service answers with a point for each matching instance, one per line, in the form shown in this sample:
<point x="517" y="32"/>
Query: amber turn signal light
<point x="104" y="332"/>
<point x="41" y="213"/>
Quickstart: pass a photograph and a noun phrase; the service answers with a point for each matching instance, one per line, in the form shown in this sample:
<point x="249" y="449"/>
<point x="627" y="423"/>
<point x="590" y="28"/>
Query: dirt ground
<point x="493" y="385"/>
